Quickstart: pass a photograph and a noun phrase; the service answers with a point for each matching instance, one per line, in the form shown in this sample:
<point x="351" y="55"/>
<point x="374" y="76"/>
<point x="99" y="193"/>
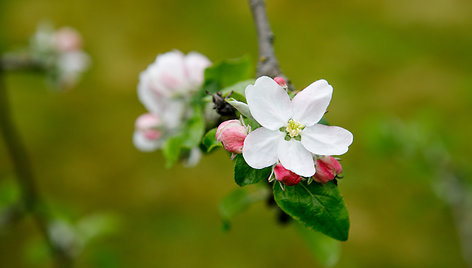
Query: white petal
<point x="261" y="146"/>
<point x="269" y="103"/>
<point x="196" y="64"/>
<point x="173" y="113"/>
<point x="169" y="73"/>
<point x="143" y="144"/>
<point x="326" y="140"/>
<point x="310" y="104"/>
<point x="148" y="97"/>
<point x="242" y="107"/>
<point x="296" y="158"/>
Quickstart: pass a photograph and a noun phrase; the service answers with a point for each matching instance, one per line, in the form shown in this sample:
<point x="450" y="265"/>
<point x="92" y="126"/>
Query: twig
<point x="24" y="174"/>
<point x="267" y="64"/>
<point x="20" y="62"/>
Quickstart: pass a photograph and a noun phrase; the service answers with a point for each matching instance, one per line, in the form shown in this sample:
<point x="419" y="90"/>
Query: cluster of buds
<point x="60" y="52"/>
<point x="327" y="169"/>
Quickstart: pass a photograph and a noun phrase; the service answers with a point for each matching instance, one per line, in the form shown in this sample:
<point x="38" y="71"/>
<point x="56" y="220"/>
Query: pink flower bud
<point x="327" y="167"/>
<point x="147" y="124"/>
<point x="67" y="39"/>
<point x="286" y="176"/>
<point x="231" y="134"/>
<point x="281" y="82"/>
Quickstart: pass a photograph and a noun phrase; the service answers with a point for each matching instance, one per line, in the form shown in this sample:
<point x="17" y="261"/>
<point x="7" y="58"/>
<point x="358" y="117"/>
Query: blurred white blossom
<point x="166" y="88"/>
<point x="60" y="52"/>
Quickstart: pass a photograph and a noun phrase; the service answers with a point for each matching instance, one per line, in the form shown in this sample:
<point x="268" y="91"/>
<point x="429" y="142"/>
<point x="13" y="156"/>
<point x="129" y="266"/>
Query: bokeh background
<point x="402" y="74"/>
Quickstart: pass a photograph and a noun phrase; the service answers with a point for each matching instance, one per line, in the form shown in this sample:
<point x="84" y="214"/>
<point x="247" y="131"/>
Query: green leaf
<point x="320" y="207"/>
<point x="194" y="129"/>
<point x="323" y="248"/>
<point x="209" y="140"/>
<point x="172" y="149"/>
<point x="238" y="201"/>
<point x="227" y="73"/>
<point x="245" y="175"/>
<point x="238" y="90"/>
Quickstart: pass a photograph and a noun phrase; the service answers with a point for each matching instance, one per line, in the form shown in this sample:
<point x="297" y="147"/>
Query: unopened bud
<point x="286" y="176"/>
<point x="231" y="134"/>
<point x="327" y="167"/>
<point x="147" y="124"/>
<point x="281" y="82"/>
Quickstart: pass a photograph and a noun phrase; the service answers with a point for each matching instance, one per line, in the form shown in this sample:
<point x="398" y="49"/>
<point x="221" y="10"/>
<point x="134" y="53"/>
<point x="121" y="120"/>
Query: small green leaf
<point x="210" y="142"/>
<point x="172" y="149"/>
<point x="194" y="129"/>
<point x="238" y="90"/>
<point x="320" y="207"/>
<point x="227" y="73"/>
<point x="245" y="175"/>
<point x="238" y="201"/>
<point x="323" y="121"/>
<point x="323" y="248"/>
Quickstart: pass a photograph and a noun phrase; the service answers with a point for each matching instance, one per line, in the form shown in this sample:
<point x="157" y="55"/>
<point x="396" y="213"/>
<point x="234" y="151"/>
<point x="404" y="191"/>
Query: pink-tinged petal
<point x="67" y="39"/>
<point x="296" y="158"/>
<point x="310" y="104"/>
<point x="326" y="140"/>
<point x="169" y="73"/>
<point x="142" y="143"/>
<point x="269" y="103"/>
<point x="196" y="64"/>
<point x="261" y="147"/>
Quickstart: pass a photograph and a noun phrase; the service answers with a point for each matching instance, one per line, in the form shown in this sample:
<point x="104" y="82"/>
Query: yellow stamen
<point x="294" y="128"/>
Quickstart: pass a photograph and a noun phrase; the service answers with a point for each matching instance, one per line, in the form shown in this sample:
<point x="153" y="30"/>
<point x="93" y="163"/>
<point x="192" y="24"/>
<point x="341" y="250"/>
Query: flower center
<point x="294" y="128"/>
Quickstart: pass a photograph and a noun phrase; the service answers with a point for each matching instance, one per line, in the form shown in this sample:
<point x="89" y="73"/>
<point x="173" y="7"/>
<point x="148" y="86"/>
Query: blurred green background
<point x="408" y="62"/>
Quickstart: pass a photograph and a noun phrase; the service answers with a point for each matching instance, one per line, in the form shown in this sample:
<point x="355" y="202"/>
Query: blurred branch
<point x="268" y="64"/>
<point x="19" y="62"/>
<point x="24" y="174"/>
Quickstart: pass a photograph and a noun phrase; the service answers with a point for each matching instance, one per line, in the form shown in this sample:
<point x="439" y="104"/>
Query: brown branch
<point x="267" y="64"/>
<point x="30" y="197"/>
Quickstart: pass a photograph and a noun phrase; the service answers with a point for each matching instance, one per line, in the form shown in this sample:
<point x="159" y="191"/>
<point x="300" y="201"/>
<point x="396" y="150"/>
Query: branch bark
<point x="19" y="62"/>
<point x="31" y="199"/>
<point x="267" y="64"/>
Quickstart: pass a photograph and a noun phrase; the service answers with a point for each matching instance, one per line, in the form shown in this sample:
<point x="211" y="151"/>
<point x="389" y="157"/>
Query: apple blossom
<point x="289" y="132"/>
<point x="286" y="176"/>
<point x="147" y="136"/>
<point x="327" y="167"/>
<point x="231" y="134"/>
<point x="60" y="54"/>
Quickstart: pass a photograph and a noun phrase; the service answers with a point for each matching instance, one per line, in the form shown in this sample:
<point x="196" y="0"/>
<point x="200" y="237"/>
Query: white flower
<point x="166" y="85"/>
<point x="289" y="132"/>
